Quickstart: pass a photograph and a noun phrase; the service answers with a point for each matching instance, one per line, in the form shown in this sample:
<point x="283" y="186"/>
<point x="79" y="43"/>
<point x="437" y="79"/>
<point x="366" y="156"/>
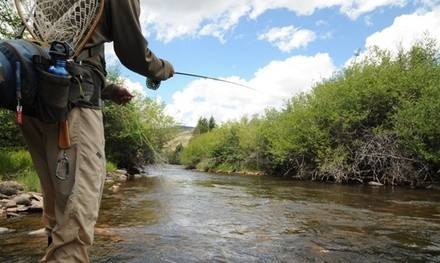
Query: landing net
<point x="60" y="20"/>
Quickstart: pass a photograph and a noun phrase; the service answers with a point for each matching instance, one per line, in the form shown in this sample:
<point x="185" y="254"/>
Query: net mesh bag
<point x="60" y="20"/>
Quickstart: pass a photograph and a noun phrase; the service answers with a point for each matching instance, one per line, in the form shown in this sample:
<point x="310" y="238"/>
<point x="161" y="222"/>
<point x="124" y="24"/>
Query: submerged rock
<point x="374" y="183"/>
<point x="4" y="230"/>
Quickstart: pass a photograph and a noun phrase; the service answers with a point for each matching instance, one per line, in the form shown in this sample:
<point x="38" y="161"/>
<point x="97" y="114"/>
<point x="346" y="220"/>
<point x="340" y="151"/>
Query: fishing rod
<point x="154" y="84"/>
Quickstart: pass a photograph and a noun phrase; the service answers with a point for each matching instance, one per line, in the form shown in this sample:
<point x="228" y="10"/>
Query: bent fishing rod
<point x="155" y="84"/>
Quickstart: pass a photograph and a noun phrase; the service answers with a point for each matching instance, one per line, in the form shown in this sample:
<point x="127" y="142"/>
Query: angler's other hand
<point x="123" y="96"/>
<point x="116" y="93"/>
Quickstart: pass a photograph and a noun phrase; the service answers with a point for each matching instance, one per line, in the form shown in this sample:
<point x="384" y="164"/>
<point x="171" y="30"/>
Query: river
<point x="176" y="215"/>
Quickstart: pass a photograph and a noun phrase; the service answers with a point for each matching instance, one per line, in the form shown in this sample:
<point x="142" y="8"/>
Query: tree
<point x="204" y="125"/>
<point x="211" y="123"/>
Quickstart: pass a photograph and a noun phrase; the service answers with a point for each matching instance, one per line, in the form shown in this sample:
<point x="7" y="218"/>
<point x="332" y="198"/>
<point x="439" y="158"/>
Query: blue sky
<point x="279" y="48"/>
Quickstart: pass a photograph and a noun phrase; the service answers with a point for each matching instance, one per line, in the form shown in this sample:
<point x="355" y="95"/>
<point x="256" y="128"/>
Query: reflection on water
<point x="174" y="215"/>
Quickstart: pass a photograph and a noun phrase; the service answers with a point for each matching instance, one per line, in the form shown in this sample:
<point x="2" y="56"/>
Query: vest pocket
<point x="52" y="99"/>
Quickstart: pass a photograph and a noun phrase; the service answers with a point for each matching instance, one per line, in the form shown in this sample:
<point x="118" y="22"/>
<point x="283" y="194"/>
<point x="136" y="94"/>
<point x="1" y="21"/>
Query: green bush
<point x="377" y="119"/>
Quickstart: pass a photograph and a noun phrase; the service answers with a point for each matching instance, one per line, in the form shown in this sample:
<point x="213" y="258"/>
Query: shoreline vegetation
<point x="376" y="121"/>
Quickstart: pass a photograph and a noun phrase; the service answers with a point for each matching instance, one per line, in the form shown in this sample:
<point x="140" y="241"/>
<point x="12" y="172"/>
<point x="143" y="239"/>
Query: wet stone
<point x="10" y="203"/>
<point x="4" y="230"/>
<point x="9" y="188"/>
<point x="14" y="205"/>
<point x="23" y="199"/>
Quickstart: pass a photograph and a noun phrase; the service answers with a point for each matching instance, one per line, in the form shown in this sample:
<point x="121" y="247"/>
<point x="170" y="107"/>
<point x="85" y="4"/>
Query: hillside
<point x="182" y="138"/>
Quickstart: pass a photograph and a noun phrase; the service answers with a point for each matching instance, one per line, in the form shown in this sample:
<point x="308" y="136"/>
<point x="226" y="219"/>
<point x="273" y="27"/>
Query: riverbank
<point x="229" y="170"/>
<point x="15" y="202"/>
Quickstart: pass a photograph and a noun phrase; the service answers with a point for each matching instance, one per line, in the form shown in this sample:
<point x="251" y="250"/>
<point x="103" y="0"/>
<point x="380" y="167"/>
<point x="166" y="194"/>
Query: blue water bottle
<point x="59" y="52"/>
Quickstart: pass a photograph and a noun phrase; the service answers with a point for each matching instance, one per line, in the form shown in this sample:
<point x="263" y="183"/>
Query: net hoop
<point x="61" y="20"/>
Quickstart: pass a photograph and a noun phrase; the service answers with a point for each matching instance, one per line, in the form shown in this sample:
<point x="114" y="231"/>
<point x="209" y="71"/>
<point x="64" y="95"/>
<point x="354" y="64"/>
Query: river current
<point x="177" y="215"/>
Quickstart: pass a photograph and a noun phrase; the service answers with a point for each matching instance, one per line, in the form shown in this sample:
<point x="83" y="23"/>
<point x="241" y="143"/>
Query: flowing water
<point x="175" y="215"/>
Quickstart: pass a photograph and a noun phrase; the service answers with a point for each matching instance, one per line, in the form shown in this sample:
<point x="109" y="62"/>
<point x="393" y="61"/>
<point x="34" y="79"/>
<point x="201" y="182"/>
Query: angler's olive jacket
<point x="120" y="23"/>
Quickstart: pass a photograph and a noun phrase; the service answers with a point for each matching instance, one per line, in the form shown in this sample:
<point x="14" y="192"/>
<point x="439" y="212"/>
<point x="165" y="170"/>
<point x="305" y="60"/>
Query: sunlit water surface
<point x="176" y="215"/>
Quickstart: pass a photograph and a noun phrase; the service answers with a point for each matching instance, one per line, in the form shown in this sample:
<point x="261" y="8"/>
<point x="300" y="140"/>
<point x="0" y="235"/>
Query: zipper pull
<point x="19" y="115"/>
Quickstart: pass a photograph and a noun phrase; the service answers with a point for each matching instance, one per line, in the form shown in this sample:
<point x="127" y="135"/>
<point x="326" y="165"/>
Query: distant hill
<point x="182" y="138"/>
<point x="186" y="128"/>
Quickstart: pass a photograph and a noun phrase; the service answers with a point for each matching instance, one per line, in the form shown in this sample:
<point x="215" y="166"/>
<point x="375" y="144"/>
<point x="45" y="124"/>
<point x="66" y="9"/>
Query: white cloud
<point x="173" y="19"/>
<point x="288" y="38"/>
<point x="355" y="8"/>
<point x="134" y="87"/>
<point x="406" y="30"/>
<point x="272" y="86"/>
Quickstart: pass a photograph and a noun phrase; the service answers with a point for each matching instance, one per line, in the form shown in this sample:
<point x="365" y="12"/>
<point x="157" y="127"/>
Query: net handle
<point x="24" y="20"/>
<point x="92" y="28"/>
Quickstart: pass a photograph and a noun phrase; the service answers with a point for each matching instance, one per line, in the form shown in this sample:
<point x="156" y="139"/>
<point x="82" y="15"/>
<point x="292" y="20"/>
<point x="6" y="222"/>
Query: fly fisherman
<point x="71" y="204"/>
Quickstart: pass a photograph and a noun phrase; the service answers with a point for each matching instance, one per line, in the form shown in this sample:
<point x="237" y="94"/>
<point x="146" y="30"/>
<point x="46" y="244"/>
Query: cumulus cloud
<point x="355" y="8"/>
<point x="171" y="19"/>
<point x="406" y="30"/>
<point x="288" y="38"/>
<point x="271" y="86"/>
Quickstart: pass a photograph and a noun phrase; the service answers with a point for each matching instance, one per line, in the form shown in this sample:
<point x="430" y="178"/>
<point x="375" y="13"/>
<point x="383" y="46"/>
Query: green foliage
<point x="378" y="119"/>
<point x="9" y="19"/>
<point x="175" y="155"/>
<point x="17" y="165"/>
<point x="30" y="181"/>
<point x="10" y="133"/>
<point x="110" y="167"/>
<point x="12" y="161"/>
<point x="204" y="125"/>
<point x="236" y="146"/>
<point x="136" y="133"/>
<point x="200" y="149"/>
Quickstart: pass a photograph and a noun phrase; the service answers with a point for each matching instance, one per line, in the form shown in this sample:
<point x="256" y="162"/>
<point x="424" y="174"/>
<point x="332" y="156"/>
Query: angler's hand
<point x="116" y="93"/>
<point x="123" y="96"/>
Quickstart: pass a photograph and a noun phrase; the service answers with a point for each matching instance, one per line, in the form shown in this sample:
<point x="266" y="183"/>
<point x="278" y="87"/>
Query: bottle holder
<point x="52" y="99"/>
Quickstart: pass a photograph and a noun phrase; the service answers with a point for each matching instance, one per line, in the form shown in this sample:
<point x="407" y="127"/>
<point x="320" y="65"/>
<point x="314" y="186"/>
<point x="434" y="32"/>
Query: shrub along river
<point x="176" y="215"/>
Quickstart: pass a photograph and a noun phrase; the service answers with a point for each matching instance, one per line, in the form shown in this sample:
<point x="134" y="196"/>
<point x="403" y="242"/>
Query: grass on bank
<point x="16" y="165"/>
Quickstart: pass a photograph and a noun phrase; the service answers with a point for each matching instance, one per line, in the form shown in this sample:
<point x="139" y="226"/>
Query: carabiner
<point x="63" y="165"/>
